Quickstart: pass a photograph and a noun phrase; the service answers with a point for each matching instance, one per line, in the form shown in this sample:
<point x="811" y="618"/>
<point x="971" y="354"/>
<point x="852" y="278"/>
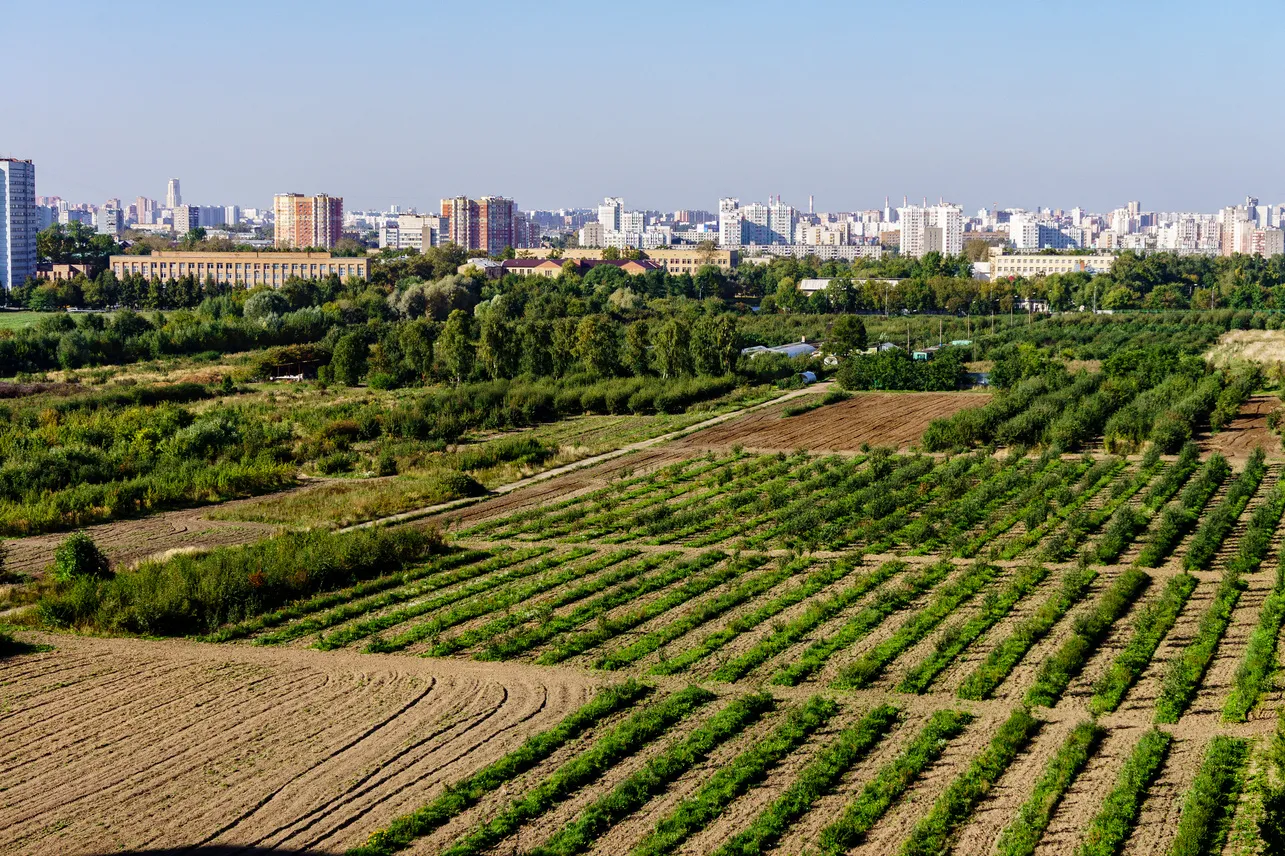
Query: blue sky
<point x="669" y="104"/>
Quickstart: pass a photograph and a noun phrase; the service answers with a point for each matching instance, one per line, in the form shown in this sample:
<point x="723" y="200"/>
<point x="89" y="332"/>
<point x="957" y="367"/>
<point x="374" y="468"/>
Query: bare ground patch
<point x="874" y="418"/>
<point x="123" y="744"/>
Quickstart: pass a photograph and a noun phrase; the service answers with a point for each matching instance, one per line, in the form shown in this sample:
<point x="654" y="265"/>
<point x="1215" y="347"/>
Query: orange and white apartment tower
<point x="307" y="221"/>
<point x="479" y="224"/>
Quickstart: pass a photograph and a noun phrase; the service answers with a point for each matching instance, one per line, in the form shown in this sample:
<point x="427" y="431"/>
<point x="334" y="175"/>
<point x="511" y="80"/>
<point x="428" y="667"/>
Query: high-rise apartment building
<point x="186" y="218"/>
<point x="495" y="224"/>
<point x="480" y="224"/>
<point x="110" y="221"/>
<point x="939" y="228"/>
<point x="460" y="222"/>
<point x="173" y="198"/>
<point x="18" y="221"/>
<point x="610" y="212"/>
<point x="145" y="209"/>
<point x="730" y="223"/>
<point x="307" y="221"/>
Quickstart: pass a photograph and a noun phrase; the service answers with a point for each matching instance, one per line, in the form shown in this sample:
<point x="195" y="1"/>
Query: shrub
<point x="934" y="833"/>
<point x="815" y="781"/>
<point x="195" y="593"/>
<point x="891" y="782"/>
<point x="1024" y="833"/>
<point x="1207" y="811"/>
<point x="622" y="742"/>
<point x="78" y="557"/>
<point x="734" y="779"/>
<point x="1110" y="828"/>
<point x="1088" y="632"/>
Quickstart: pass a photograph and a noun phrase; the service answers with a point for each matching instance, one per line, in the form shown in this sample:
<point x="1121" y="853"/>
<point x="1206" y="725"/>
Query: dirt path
<point x="126" y="744"/>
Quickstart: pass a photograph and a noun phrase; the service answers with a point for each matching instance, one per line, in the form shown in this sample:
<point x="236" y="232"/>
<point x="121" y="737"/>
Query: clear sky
<point x="668" y="104"/>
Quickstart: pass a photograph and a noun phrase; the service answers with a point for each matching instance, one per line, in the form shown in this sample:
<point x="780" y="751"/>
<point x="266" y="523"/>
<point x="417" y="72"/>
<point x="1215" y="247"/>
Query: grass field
<point x="18" y="320"/>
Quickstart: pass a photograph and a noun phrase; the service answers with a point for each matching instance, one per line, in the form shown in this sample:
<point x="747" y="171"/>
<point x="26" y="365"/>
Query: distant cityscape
<point x="494" y="225"/>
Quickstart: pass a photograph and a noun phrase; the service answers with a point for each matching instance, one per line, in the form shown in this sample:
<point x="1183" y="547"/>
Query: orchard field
<point x="1044" y="621"/>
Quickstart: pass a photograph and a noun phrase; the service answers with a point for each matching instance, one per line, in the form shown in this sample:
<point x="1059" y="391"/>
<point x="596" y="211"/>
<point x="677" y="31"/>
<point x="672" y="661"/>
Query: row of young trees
<point x="491" y="346"/>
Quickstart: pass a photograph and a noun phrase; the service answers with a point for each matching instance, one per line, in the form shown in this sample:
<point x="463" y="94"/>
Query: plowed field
<point x="111" y="744"/>
<point x="874" y="418"/>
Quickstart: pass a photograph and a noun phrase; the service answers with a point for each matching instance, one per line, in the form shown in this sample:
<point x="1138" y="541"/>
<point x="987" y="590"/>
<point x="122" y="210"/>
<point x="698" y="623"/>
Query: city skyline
<point x="1023" y="107"/>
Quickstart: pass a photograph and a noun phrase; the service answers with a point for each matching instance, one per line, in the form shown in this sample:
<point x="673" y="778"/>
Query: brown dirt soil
<point x="874" y="418"/>
<point x="116" y="744"/>
<point x="1247" y="430"/>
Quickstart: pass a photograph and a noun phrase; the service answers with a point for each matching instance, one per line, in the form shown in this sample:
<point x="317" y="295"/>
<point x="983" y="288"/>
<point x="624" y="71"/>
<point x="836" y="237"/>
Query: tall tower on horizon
<point x="173" y="198"/>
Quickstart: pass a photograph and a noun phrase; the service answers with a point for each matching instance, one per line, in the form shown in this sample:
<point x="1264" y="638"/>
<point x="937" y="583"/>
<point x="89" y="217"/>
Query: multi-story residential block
<point x="186" y="218"/>
<point x="242" y="269"/>
<point x="939" y="228"/>
<point x="460" y="224"/>
<point x="145" y="210"/>
<point x="173" y="198"/>
<point x="484" y="224"/>
<point x="110" y="221"/>
<point x="495" y="222"/>
<point x="416" y="232"/>
<point x="730" y="223"/>
<point x="1268" y="242"/>
<point x="19" y="222"/>
<point x="610" y="214"/>
<point x="307" y="221"/>
<point x="592" y="235"/>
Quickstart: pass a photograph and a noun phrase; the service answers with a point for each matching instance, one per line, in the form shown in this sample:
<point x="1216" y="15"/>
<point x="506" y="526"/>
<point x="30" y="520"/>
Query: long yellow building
<point x="248" y="269"/>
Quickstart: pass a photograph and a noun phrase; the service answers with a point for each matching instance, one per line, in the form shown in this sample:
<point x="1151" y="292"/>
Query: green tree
<point x="671" y="348"/>
<point x="710" y="282"/>
<point x="788" y="295"/>
<point x="637" y="355"/>
<point x="348" y="362"/>
<point x="847" y="336"/>
<point x="611" y="253"/>
<point x="416" y="338"/>
<point x="495" y="347"/>
<point x="715" y="344"/>
<point x="454" y="347"/>
<point x="537" y="348"/>
<point x="598" y="344"/>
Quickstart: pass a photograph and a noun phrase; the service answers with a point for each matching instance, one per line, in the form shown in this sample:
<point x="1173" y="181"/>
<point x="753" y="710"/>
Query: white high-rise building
<point x="610" y="212"/>
<point x="18" y="222"/>
<point x="730" y="224"/>
<point x="914" y="224"/>
<point x="781" y="220"/>
<point x="632" y="222"/>
<point x="950" y="220"/>
<point x="173" y="198"/>
<point x="109" y="221"/>
<point x="755" y="228"/>
<point x="939" y="228"/>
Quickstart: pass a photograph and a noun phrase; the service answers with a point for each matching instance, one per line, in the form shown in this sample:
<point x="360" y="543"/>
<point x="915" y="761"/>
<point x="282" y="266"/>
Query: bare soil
<point x="125" y="744"/>
<point x="1247" y="431"/>
<point x="875" y="418"/>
